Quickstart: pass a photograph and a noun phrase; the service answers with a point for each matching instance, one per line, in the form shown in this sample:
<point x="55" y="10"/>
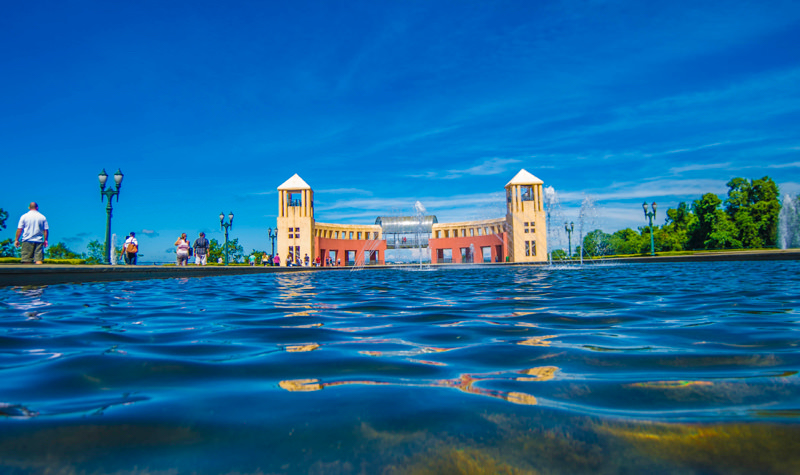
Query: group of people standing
<point x="184" y="250"/>
<point x="33" y="230"/>
<point x="306" y="261"/>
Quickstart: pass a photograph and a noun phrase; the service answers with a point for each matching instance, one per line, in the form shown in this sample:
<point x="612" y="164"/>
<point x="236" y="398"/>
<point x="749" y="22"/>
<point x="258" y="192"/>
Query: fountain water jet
<point x="587" y="220"/>
<point x="114" y="249"/>
<point x="789" y="223"/>
<point x="420" y="210"/>
<point x="554" y="216"/>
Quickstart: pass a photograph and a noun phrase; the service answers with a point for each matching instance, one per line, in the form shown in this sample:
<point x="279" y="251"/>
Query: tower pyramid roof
<point x="524" y="178"/>
<point x="294" y="183"/>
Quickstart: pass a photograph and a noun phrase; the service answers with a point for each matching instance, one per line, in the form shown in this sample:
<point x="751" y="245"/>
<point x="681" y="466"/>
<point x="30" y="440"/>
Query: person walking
<point x="201" y="246"/>
<point x="33" y="231"/>
<point x="130" y="249"/>
<point x="276" y="261"/>
<point x="182" y="251"/>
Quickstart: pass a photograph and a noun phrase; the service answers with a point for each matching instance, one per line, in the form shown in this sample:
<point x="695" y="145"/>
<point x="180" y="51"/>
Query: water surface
<point x="671" y="368"/>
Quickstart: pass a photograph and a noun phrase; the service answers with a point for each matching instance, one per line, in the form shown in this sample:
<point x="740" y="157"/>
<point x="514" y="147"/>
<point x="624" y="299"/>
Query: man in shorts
<point x="201" y="245"/>
<point x="33" y="230"/>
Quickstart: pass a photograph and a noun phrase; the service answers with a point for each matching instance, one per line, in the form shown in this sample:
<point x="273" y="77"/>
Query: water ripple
<point x="690" y="342"/>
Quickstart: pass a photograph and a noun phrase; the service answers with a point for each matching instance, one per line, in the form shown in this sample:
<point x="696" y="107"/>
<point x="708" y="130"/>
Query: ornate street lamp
<point x="223" y="224"/>
<point x="651" y="215"/>
<point x="569" y="228"/>
<point x="272" y="236"/>
<point x="108" y="194"/>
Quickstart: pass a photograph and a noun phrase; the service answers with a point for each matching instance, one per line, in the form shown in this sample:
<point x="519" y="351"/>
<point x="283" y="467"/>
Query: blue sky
<point x="209" y="106"/>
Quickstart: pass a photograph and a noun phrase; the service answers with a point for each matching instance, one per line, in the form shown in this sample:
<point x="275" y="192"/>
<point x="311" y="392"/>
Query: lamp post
<point x="651" y="215"/>
<point x="569" y="228"/>
<point x="108" y="194"/>
<point x="223" y="224"/>
<point x="273" y="235"/>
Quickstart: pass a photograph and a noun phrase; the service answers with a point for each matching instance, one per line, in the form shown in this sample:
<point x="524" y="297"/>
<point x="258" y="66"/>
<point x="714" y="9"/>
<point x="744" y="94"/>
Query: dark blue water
<point x="669" y="368"/>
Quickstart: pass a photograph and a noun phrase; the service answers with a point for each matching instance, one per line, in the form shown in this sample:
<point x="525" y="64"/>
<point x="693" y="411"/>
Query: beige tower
<point x="295" y="219"/>
<point x="525" y="218"/>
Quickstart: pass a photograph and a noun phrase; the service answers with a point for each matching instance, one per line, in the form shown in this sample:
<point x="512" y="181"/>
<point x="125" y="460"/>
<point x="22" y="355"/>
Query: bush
<point x="16" y="260"/>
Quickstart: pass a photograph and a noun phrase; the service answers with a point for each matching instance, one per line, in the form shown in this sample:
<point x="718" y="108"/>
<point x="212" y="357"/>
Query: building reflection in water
<point x="465" y="383"/>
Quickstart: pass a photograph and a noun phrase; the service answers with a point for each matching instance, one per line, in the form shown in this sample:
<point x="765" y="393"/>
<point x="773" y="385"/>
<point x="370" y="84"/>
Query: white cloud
<point x="694" y="149"/>
<point x="492" y="166"/>
<point x="649" y="190"/>
<point x="785" y="165"/>
<point x="698" y="167"/>
<point x="348" y="191"/>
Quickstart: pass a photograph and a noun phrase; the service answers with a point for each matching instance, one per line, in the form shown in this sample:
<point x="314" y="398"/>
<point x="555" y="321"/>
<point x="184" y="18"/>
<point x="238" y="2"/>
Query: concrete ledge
<point x="14" y="274"/>
<point x="18" y="275"/>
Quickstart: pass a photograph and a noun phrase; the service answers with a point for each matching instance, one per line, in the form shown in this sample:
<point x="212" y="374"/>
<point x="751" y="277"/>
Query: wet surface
<point x="671" y="368"/>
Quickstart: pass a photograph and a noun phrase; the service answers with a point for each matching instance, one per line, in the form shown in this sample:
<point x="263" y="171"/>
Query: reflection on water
<point x="689" y="368"/>
<point x="465" y="382"/>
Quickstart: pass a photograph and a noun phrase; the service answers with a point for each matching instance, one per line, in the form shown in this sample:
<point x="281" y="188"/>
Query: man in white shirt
<point x="130" y="249"/>
<point x="33" y="230"/>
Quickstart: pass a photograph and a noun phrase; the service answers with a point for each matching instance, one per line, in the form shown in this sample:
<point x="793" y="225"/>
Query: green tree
<point x="705" y="210"/>
<point x="3" y="218"/>
<point x="235" y="251"/>
<point x="7" y="248"/>
<point x="597" y="243"/>
<point x="61" y="251"/>
<point x="723" y="233"/>
<point x="753" y="207"/>
<point x="681" y="218"/>
<point x="668" y="238"/>
<point x="217" y="250"/>
<point x="674" y="235"/>
<point x="628" y="241"/>
<point x="765" y="209"/>
<point x="95" y="252"/>
<point x="739" y="194"/>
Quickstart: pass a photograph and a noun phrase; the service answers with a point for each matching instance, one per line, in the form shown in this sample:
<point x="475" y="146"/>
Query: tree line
<point x="746" y="219"/>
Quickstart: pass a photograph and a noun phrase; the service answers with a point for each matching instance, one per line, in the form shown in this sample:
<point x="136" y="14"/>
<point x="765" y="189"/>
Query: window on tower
<point x="527" y="192"/>
<point x="294" y="198"/>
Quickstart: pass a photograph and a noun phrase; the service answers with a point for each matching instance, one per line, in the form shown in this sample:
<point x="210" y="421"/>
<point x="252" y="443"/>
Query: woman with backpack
<point x="130" y="248"/>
